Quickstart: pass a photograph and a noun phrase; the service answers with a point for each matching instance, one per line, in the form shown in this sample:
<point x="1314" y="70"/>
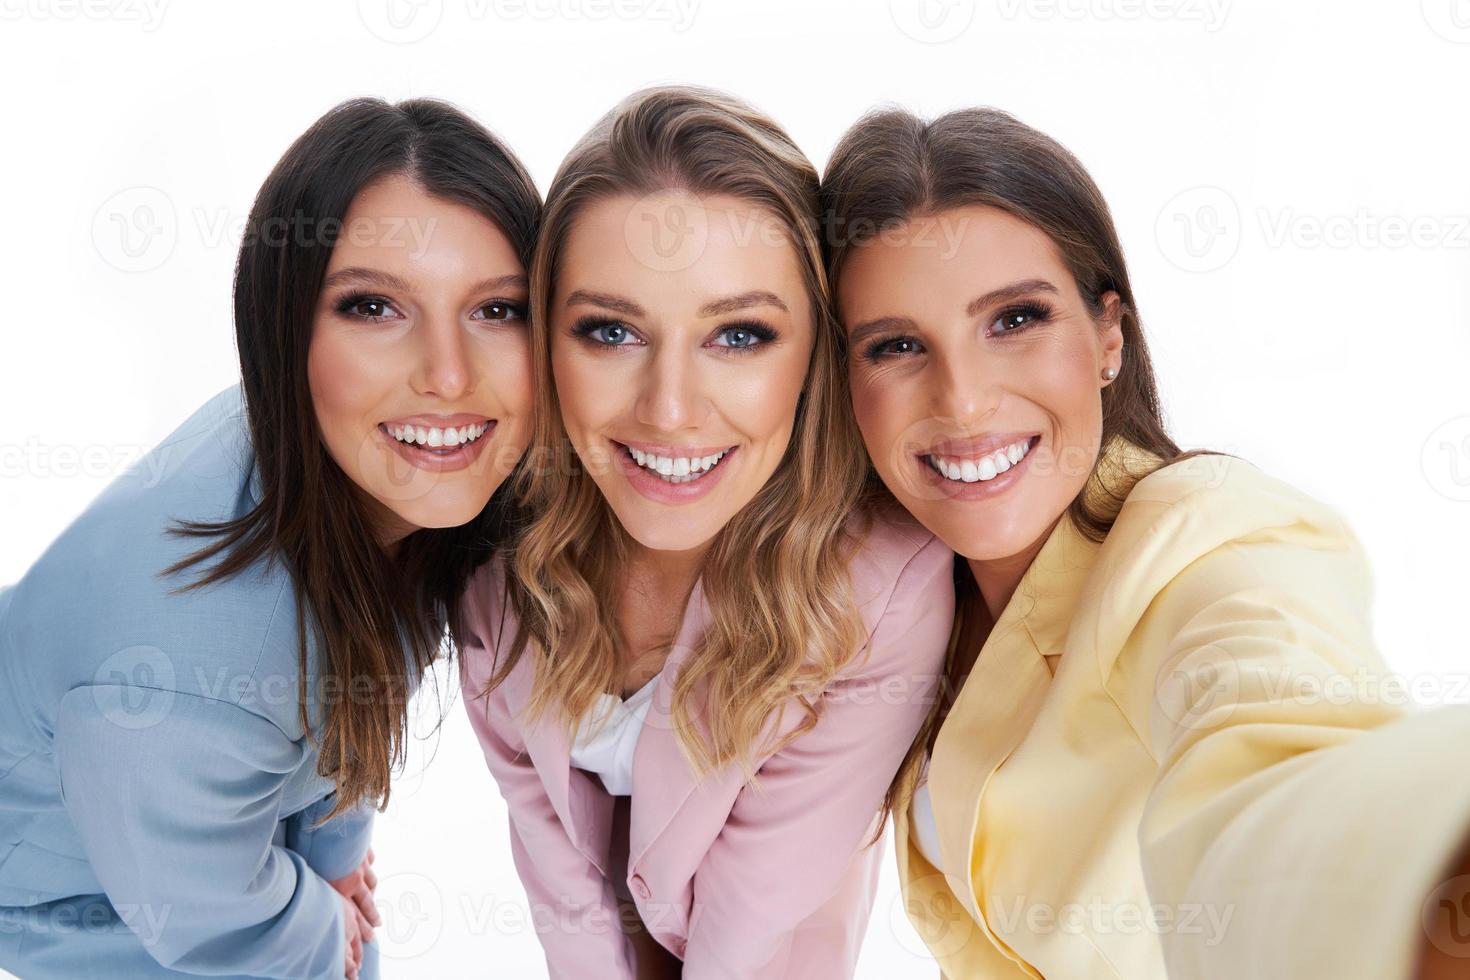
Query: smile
<point x="453" y="444"/>
<point x="676" y="469"/>
<point x="434" y="437"/>
<point x="981" y="468"/>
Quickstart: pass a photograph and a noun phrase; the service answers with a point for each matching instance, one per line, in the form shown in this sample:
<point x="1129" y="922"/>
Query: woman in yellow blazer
<point x="1168" y="745"/>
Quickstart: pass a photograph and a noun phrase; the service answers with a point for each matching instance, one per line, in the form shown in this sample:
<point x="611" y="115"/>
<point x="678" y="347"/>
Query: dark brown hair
<point x="361" y="605"/>
<point x="892" y="166"/>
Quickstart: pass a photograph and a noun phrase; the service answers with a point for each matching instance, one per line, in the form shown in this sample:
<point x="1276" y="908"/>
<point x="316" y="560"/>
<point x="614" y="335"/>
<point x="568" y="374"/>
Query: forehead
<point x="394" y="222"/>
<point x="678" y="250"/>
<point x="941" y="262"/>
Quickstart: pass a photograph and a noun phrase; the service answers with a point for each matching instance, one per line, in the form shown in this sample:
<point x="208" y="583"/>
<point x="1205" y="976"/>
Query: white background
<point x="1289" y="181"/>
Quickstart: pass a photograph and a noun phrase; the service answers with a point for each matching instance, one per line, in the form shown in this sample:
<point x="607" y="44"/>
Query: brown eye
<point x="893" y="347"/>
<point x="500" y="310"/>
<point x="1021" y="317"/>
<point x="373" y="308"/>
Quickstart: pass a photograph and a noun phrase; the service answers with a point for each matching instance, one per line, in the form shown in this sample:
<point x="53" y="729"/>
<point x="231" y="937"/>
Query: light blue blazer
<point x="156" y="787"/>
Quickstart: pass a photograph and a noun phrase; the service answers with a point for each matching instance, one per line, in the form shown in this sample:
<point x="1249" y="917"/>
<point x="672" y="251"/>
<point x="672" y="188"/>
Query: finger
<point x="365" y="928"/>
<point x="370" y="855"/>
<point x="356" y="953"/>
<point x="370" y="878"/>
<point x="366" y="910"/>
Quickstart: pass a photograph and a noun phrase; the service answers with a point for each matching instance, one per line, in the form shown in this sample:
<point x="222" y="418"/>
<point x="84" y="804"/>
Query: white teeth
<point x="983" y="468"/>
<point x="434" y="437"/>
<point x="676" y="469"/>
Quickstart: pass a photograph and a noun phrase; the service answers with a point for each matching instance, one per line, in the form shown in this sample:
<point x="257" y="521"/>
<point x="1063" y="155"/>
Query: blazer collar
<point x="662" y="776"/>
<point x="1009" y="680"/>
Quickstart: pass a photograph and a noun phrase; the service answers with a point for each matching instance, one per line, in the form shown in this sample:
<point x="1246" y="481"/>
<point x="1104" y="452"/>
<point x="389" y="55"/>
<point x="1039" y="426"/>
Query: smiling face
<point x="977" y="372"/>
<point x="678" y="386"/>
<point x="419" y="365"/>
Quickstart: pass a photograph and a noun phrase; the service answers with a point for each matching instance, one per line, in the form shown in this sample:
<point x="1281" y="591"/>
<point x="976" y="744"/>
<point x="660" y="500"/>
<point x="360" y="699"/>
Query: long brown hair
<point x="360" y="605"/>
<point x="892" y="166"/>
<point x="782" y="617"/>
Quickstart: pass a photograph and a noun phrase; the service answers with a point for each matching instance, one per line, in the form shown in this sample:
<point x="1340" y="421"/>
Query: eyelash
<point x="588" y="325"/>
<point x="345" y="305"/>
<point x="1037" y="313"/>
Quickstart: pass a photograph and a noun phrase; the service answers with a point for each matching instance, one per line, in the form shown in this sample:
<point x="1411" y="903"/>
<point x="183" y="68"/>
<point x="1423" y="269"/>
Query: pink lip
<point x="980" y="490"/>
<point x="443" y="459"/>
<point x="660" y="490"/>
<point x="977" y="446"/>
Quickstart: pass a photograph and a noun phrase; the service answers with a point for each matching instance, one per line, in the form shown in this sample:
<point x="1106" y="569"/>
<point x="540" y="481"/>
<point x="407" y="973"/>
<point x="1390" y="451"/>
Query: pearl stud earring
<point x="1110" y="373"/>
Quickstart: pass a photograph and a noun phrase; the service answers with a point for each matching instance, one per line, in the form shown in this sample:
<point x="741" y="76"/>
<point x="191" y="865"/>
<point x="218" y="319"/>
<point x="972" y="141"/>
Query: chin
<point x="441" y="513"/>
<point x="660" y="532"/>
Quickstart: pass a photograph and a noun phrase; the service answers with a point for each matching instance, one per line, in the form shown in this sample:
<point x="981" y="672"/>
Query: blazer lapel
<point x="586" y="815"/>
<point x="662" y="778"/>
<point x="1009" y="681"/>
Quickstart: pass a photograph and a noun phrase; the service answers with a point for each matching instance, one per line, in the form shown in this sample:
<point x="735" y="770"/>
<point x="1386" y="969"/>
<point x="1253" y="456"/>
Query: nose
<point x="442" y="363"/>
<point x="669" y="393"/>
<point x="968" y="387"/>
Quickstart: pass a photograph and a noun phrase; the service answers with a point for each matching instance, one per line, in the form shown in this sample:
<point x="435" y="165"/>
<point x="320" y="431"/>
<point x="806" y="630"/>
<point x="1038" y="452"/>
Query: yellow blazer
<point x="1218" y="777"/>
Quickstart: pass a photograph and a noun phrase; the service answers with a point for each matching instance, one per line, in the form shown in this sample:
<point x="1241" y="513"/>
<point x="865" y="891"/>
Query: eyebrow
<point x="1012" y="291"/>
<point x="387" y="280"/>
<point x="718" y="307"/>
<point x="607" y="301"/>
<point x="744" y="301"/>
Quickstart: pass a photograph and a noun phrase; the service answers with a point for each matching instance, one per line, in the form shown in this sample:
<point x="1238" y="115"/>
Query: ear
<point x="1110" y="332"/>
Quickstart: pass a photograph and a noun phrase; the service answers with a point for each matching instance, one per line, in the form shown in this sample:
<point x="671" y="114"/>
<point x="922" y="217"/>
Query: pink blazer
<point x="738" y="882"/>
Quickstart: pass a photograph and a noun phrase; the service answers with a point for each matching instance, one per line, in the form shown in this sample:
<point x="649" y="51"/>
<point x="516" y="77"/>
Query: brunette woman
<point x="1159" y="751"/>
<point x="206" y="676"/>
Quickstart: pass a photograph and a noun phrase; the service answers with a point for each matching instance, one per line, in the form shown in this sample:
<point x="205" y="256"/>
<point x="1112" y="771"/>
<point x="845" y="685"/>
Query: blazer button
<point x="640" y="888"/>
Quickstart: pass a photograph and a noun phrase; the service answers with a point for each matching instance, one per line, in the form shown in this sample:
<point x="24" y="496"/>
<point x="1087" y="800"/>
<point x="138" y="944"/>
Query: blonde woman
<point x="699" y="600"/>
<point x="1150" y="762"/>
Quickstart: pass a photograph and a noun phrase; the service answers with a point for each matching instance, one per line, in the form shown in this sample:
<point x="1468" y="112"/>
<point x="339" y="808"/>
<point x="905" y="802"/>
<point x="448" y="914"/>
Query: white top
<point x="608" y="752"/>
<point x="921" y="820"/>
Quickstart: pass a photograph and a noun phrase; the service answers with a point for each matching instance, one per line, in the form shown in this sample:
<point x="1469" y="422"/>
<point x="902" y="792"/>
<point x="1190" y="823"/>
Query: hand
<point x="352" y="928"/>
<point x="359" y="914"/>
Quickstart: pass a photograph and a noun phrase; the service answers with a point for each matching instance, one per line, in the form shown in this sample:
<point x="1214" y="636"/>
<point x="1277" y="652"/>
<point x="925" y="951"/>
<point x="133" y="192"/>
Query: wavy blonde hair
<point x="783" y="620"/>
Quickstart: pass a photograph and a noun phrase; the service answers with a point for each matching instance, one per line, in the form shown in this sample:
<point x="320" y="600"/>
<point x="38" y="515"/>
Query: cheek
<point x="1065" y="384"/>
<point x="879" y="406"/>
<point x="341" y="379"/>
<point x="505" y="369"/>
<point x="762" y="403"/>
<point x="582" y="389"/>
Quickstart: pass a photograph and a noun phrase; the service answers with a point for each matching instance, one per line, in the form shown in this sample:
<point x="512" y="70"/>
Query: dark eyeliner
<point x="762" y="332"/>
<point x="346" y="303"/>
<point x="1036" y="313"/>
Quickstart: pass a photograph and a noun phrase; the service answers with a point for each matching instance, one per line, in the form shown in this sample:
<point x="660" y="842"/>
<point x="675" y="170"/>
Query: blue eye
<point x="604" y="332"/>
<point x="744" y="336"/>
<point x="612" y="334"/>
